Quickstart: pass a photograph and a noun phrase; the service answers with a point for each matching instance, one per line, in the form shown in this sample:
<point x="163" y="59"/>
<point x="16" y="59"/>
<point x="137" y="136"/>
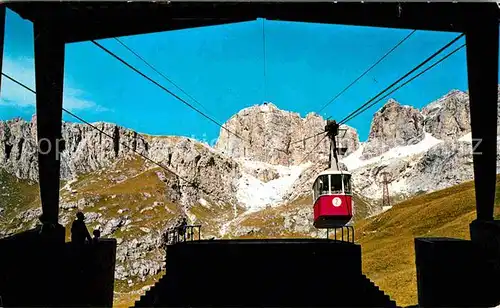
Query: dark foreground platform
<point x="275" y="272"/>
<point x="38" y="271"/>
<point x="457" y="273"/>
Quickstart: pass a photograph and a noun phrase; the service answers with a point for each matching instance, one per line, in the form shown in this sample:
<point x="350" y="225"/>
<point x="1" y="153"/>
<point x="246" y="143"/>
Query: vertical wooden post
<point x="482" y="67"/>
<point x="49" y="73"/>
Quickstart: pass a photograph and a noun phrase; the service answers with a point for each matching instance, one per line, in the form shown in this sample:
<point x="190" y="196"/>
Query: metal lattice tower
<point x="386" y="200"/>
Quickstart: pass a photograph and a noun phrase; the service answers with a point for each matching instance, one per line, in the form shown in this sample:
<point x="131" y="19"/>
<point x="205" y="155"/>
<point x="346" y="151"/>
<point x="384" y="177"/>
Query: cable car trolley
<point x="332" y="190"/>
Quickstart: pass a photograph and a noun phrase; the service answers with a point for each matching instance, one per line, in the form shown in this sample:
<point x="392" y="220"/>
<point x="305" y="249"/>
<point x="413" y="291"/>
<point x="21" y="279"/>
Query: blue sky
<point x="222" y="67"/>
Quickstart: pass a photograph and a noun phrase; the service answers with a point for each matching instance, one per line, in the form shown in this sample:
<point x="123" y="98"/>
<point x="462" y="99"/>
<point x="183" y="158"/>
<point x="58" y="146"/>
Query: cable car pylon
<point x="332" y="192"/>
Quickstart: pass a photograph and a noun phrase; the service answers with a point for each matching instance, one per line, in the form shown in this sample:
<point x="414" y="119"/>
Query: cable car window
<point x="315" y="190"/>
<point x="347" y="184"/>
<point x="322" y="185"/>
<point x="336" y="183"/>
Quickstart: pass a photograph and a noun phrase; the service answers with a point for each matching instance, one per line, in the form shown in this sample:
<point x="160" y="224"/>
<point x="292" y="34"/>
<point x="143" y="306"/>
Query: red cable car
<point x="332" y="198"/>
<point x="332" y="189"/>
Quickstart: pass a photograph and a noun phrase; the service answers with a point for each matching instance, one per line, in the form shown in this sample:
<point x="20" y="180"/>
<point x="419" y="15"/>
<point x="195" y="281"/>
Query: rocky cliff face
<point x="279" y="137"/>
<point x="430" y="152"/>
<point x="449" y="117"/>
<point x="18" y="148"/>
<point x="393" y="125"/>
<point x="89" y="150"/>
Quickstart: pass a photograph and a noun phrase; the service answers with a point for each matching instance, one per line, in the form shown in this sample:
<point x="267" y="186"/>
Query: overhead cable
<point x="408" y="81"/>
<point x="371" y="102"/>
<point x="435" y="54"/>
<point x="357" y="79"/>
<point x="113" y="138"/>
<point x="165" y="89"/>
<point x="368" y="70"/>
<point x="160" y="73"/>
<point x="305" y="157"/>
<point x="264" y="56"/>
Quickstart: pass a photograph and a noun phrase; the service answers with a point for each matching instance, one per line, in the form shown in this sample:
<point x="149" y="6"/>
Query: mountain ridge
<point x="235" y="186"/>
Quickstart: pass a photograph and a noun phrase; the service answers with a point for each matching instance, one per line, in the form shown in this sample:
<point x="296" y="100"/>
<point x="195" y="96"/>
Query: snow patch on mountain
<point x="354" y="160"/>
<point x="255" y="194"/>
<point x="467" y="137"/>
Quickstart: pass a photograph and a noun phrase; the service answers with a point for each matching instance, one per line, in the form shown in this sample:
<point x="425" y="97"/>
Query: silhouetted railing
<point x="346" y="234"/>
<point x="183" y="234"/>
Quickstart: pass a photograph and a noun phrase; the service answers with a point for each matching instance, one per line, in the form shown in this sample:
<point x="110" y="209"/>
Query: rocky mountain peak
<point x="271" y="135"/>
<point x="393" y="125"/>
<point x="448" y="117"/>
<point x="313" y="115"/>
<point x="391" y="103"/>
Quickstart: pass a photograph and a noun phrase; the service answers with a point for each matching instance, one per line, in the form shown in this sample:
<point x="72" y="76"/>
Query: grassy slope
<point x="270" y="222"/>
<point x="387" y="240"/>
<point x="16" y="196"/>
<point x="114" y="193"/>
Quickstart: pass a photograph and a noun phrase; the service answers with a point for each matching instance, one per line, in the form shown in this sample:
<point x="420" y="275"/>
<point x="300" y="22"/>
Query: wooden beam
<point x="49" y="73"/>
<point x="482" y="67"/>
<point x="96" y="20"/>
<point x="95" y="31"/>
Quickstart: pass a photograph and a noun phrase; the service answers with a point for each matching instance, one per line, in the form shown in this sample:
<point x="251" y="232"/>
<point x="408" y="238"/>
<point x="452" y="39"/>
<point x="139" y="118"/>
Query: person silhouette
<point x="97" y="235"/>
<point x="79" y="230"/>
<point x="182" y="228"/>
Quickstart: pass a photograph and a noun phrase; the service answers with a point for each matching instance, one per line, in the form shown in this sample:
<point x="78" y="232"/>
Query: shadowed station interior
<point x="40" y="269"/>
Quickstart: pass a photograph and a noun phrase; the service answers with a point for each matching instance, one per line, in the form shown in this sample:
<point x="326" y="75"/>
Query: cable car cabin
<point x="332" y="197"/>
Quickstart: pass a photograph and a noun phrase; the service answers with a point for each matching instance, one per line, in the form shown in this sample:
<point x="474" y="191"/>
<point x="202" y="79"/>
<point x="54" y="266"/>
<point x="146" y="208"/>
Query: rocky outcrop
<point x="432" y="150"/>
<point x="140" y="257"/>
<point x="449" y="117"/>
<point x="197" y="168"/>
<point x="87" y="149"/>
<point x="18" y="148"/>
<point x="200" y="170"/>
<point x="393" y="125"/>
<point x="443" y="165"/>
<point x="274" y="136"/>
<point x="446" y="164"/>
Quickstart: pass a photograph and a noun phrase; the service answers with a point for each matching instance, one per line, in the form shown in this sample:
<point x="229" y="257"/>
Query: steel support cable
<point x="264" y="56"/>
<point x="171" y="81"/>
<point x="165" y="89"/>
<point x="358" y="78"/>
<point x="409" y="80"/>
<point x="307" y="138"/>
<point x="355" y="112"/>
<point x="160" y="73"/>
<point x="368" y="70"/>
<point x="171" y="93"/>
<point x="305" y="157"/>
<point x="363" y="107"/>
<point x="435" y="54"/>
<point x="108" y="135"/>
